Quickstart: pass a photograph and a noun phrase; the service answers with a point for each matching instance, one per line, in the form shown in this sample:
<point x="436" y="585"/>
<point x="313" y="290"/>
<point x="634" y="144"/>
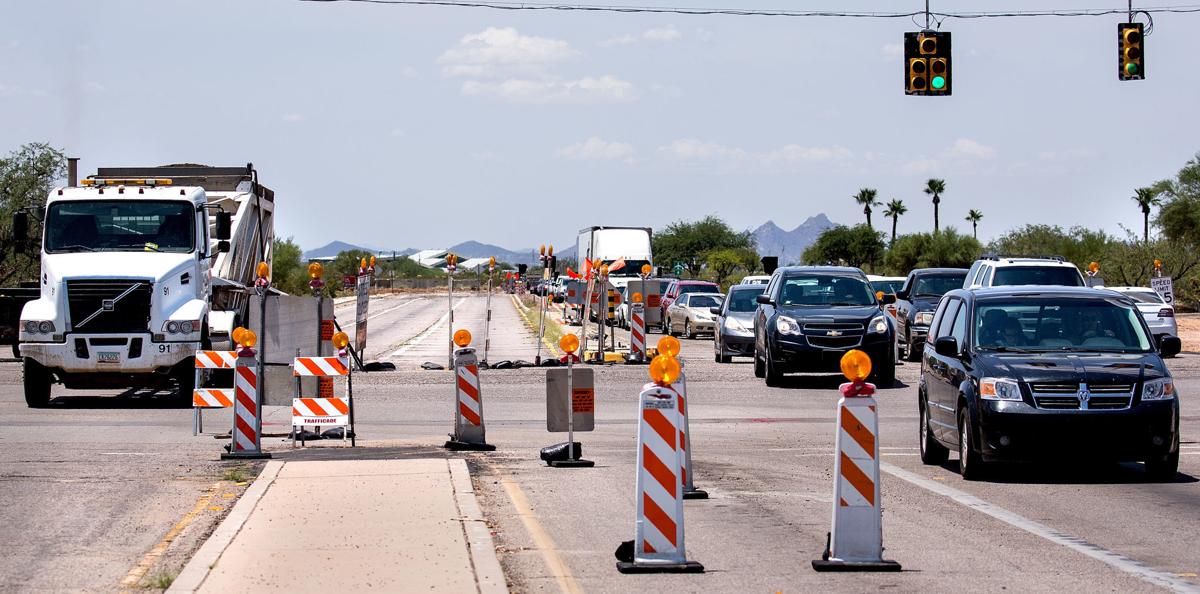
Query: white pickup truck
<point x="140" y="268"/>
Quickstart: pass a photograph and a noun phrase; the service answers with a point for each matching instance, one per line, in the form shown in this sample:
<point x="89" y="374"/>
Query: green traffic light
<point x="938" y="83"/>
<point x="1131" y="68"/>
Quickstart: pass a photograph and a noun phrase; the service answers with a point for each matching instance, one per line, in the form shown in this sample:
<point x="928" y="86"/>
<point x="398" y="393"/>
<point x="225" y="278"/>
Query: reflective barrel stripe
<point x="468" y="394"/>
<point x="637" y="331"/>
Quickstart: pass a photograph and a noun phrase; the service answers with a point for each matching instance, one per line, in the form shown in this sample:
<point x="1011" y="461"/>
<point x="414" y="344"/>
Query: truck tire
<point x="37" y="382"/>
<point x="910" y="349"/>
<point x="185" y="377"/>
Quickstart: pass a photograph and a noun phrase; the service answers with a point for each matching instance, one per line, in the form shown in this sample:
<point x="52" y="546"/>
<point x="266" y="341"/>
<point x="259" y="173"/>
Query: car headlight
<point x="1158" y="389"/>
<point x="998" y="388"/>
<point x="734" y="324"/>
<point x="786" y="325"/>
<point x="878" y="325"/>
<point x="923" y="318"/>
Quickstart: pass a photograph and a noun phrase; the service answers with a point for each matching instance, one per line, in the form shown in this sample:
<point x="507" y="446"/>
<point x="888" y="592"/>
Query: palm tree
<point x="866" y="197"/>
<point x="935" y="187"/>
<point x="1146" y="197"/>
<point x="894" y="209"/>
<point x="974" y="217"/>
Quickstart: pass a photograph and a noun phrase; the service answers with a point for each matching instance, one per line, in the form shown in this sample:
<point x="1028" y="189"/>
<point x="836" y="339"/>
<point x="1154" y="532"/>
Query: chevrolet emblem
<point x="833" y="333"/>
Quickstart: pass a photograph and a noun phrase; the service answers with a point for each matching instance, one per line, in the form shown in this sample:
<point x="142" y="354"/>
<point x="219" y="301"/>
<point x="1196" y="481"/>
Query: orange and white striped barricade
<point x="203" y="398"/>
<point x="469" y="431"/>
<point x="637" y="332"/>
<point x="856" y="541"/>
<point x="325" y="410"/>
<point x="685" y="437"/>
<point x="658" y="546"/>
<point x="247" y="409"/>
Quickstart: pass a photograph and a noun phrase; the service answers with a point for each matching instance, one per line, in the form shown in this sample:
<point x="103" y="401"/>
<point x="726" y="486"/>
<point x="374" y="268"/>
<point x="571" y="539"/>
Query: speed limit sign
<point x="1165" y="288"/>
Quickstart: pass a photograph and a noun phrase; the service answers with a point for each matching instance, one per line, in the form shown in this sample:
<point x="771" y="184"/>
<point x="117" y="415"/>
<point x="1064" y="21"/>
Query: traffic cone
<point x="247" y="407"/>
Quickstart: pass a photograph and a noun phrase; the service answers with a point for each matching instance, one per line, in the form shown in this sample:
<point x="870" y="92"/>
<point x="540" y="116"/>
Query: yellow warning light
<point x="637" y="298"/>
<point x="646" y="269"/>
<point x="1157" y="263"/>
<point x="604" y="270"/>
<point x="879" y="295"/>
<point x="340" y="340"/>
<point x="372" y="261"/>
<point x="856" y="365"/>
<point x="669" y="346"/>
<point x="362" y="263"/>
<point x="664" y="370"/>
<point x="550" y="250"/>
<point x="316" y="271"/>
<point x="1094" y="267"/>
<point x="492" y="262"/>
<point x="249" y="339"/>
<point x="236" y="335"/>
<point x="462" y="337"/>
<point x="542" y="249"/>
<point x="263" y="270"/>
<point x="569" y="343"/>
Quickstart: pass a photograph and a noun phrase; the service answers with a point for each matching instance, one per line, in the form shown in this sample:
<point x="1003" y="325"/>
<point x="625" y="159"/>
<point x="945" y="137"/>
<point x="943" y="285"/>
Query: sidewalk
<point x="351" y="525"/>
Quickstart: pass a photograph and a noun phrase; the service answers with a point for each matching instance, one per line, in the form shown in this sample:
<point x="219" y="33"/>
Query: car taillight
<point x="1166" y="312"/>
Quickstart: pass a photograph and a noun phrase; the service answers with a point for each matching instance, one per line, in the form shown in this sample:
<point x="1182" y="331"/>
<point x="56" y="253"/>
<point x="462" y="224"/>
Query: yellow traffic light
<point x="1131" y="56"/>
<point x="927" y="63"/>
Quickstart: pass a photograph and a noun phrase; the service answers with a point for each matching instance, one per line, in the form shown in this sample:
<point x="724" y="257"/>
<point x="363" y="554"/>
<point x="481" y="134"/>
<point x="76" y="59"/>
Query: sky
<point x="418" y="126"/>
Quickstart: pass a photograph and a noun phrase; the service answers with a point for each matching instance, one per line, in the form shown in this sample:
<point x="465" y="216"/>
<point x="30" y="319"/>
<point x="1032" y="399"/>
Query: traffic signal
<point x="1130" y="58"/>
<point x="927" y="63"/>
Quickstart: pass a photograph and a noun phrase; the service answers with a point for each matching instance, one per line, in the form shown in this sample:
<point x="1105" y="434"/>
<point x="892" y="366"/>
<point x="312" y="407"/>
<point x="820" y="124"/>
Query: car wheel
<point x="1164" y="468"/>
<point x="910" y="349"/>
<point x="970" y="463"/>
<point x="687" y="329"/>
<point x="771" y="373"/>
<point x="932" y="452"/>
<point x="759" y="369"/>
<point x="37" y="384"/>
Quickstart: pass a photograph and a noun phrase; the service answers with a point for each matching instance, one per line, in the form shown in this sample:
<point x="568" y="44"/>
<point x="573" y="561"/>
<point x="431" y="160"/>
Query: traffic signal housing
<point x="927" y="63"/>
<point x="1131" y="60"/>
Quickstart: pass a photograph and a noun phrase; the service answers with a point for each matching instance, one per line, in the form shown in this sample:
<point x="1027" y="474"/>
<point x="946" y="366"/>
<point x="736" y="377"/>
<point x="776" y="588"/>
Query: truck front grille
<point x="108" y="306"/>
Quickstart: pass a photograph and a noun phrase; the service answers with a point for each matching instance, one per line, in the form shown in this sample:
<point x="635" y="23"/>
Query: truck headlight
<point x="1158" y="389"/>
<point x="786" y="325"/>
<point x="38" y="326"/>
<point x="999" y="388"/>
<point x="923" y="318"/>
<point x="878" y="325"/>
<point x="181" y="327"/>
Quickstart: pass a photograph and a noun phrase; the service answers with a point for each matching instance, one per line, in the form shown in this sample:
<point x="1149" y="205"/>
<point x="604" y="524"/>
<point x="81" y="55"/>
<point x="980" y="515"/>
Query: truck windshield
<point x="936" y="286"/>
<point x="1059" y="324"/>
<point x="120" y="226"/>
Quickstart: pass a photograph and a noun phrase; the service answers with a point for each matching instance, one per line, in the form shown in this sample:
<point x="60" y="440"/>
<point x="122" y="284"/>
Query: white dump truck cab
<point x="127" y="285"/>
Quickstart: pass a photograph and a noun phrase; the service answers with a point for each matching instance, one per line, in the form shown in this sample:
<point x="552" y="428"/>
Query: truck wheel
<point x="37" y="384"/>
<point x="910" y="349"/>
<point x="186" y="379"/>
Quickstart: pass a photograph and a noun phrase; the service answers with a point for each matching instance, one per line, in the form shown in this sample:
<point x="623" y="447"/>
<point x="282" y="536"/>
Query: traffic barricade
<point x="469" y="432"/>
<point x="570" y="407"/>
<point x="637" y="329"/>
<point x="855" y="542"/>
<point x="325" y="410"/>
<point x="669" y="345"/>
<point x="658" y="544"/>
<point x="247" y="404"/>
<point x="204" y="398"/>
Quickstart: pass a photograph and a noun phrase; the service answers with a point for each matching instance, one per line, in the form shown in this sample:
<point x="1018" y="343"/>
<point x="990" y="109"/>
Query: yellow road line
<point x="135" y="575"/>
<point x="554" y="562"/>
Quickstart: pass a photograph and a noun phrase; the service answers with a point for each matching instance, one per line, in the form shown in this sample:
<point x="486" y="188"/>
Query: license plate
<point x="108" y="357"/>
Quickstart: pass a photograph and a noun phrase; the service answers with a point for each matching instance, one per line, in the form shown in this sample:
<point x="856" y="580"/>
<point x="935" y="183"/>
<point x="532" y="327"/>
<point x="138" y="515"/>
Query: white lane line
<point x="1114" y="560"/>
<point x="428" y="331"/>
<point x="410" y="301"/>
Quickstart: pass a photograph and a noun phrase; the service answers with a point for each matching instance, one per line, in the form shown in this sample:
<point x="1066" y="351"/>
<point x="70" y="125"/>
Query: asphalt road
<point x="92" y="484"/>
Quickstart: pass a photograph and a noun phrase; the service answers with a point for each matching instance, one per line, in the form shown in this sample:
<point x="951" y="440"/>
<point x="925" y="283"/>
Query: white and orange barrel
<point x="469" y="433"/>
<point x="685" y="440"/>
<point x="660" y="537"/>
<point x="246" y="439"/>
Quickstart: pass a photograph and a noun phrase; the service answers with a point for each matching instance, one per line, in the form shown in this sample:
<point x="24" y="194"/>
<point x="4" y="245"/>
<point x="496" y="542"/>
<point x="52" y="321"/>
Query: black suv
<point x="915" y="302"/>
<point x="1031" y="373"/>
<point x="809" y="316"/>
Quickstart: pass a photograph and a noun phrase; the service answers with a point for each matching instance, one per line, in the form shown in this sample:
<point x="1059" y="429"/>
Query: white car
<point x="1159" y="316"/>
<point x="997" y="271"/>
<point x="755" y="280"/>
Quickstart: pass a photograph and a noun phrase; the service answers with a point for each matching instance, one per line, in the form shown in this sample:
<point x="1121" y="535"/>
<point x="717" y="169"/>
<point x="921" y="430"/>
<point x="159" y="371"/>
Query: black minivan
<point x="1038" y="373"/>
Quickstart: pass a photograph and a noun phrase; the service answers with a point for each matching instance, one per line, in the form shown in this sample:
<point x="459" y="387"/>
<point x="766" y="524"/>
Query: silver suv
<point x="997" y="271"/>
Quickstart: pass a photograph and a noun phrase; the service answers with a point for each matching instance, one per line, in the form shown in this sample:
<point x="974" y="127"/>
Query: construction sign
<point x="363" y="294"/>
<point x="583" y="385"/>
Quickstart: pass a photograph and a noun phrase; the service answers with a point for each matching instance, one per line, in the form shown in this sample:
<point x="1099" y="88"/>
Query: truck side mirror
<point x="901" y="295"/>
<point x="20" y="227"/>
<point x="888" y="299"/>
<point x="1169" y="346"/>
<point x="764" y="299"/>
<point x="222" y="246"/>
<point x="224" y="227"/>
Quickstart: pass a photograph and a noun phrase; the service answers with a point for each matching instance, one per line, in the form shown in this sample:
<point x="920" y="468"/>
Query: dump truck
<point x="140" y="268"/>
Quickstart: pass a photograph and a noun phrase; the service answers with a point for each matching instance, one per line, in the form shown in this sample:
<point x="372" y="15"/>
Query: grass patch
<point x="533" y="318"/>
<point x="236" y="474"/>
<point x="162" y="581"/>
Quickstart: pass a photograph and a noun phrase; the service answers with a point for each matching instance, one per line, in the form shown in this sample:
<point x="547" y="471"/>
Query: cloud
<point x="965" y="148"/>
<point x="794" y="153"/>
<point x="622" y="40"/>
<point x="892" y="50"/>
<point x="921" y="166"/>
<point x="598" y="149"/>
<point x="663" y="34"/>
<point x="788" y="156"/>
<point x="588" y="89"/>
<point x="694" y="149"/>
<point x="498" y="52"/>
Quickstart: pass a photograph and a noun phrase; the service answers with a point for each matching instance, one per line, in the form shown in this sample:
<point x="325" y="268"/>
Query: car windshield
<point x="825" y="290"/>
<point x="936" y="286"/>
<point x="887" y="286"/>
<point x="698" y="288"/>
<point x="743" y="300"/>
<point x="1143" y="297"/>
<point x="1066" y="276"/>
<point x="1059" y="324"/>
<point x="703" y="301"/>
<point x="120" y="225"/>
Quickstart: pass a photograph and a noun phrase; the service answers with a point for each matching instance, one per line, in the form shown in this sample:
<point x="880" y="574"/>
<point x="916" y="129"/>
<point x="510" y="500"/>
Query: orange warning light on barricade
<point x="569" y="343"/>
<point x="1157" y="263"/>
<point x="856" y="365"/>
<point x="249" y="339"/>
<point x="340" y="340"/>
<point x="542" y="250"/>
<point x="879" y="295"/>
<point x="236" y="335"/>
<point x="550" y="250"/>
<point x="372" y="262"/>
<point x="263" y="270"/>
<point x="646" y="269"/>
<point x="462" y="337"/>
<point x="492" y="262"/>
<point x="1094" y="267"/>
<point x="664" y="370"/>
<point x="316" y="271"/>
<point x="604" y="270"/>
<point x="669" y="346"/>
<point x="637" y="298"/>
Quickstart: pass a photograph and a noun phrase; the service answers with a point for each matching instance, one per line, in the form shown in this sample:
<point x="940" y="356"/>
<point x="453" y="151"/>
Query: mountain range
<point x="772" y="240"/>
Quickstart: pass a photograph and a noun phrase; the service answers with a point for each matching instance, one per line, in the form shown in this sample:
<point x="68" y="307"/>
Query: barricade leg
<point x="247" y="410"/>
<point x="468" y="405"/>
<point x="658" y="545"/>
<point x="856" y="540"/>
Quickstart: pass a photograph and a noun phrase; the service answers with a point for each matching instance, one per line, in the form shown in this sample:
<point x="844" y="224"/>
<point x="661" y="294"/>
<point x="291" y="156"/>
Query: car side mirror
<point x="716" y="311"/>
<point x="888" y="299"/>
<point x="946" y="346"/>
<point x="1169" y="346"/>
<point x="20" y="227"/>
<point x="224" y="226"/>
<point x="764" y="299"/>
<point x="902" y="295"/>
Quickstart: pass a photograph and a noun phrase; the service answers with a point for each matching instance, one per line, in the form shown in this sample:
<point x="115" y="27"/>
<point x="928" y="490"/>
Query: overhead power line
<point x="700" y="11"/>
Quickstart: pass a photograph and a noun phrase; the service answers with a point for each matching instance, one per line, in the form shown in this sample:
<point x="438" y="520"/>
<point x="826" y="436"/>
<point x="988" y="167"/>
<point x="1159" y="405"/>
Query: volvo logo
<point x="109" y="304"/>
<point x="833" y="333"/>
